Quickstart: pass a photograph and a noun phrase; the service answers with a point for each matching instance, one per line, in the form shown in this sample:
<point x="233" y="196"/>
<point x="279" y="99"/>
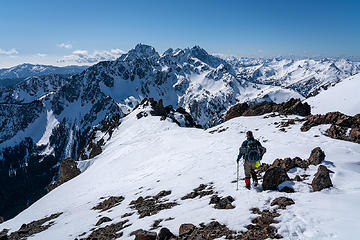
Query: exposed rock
<point x="289" y="163"/>
<point x="282" y="202"/>
<point x="109" y="232"/>
<point x="261" y="228"/>
<point x="297" y="178"/>
<point x="127" y="215"/>
<point x="1" y="219"/>
<point x="151" y="205"/>
<point x="156" y="224"/>
<point x="165" y="234"/>
<point x="293" y="106"/>
<point x="144" y="235"/>
<point x="68" y="170"/>
<point x="273" y="177"/>
<point x="317" y="156"/>
<point x="102" y="220"/>
<point x="222" y="203"/>
<point x="186" y="229"/>
<point x="287" y="189"/>
<point x="343" y="127"/>
<point x="236" y="111"/>
<point x="32" y="228"/>
<point x="322" y="179"/>
<point x="109" y="203"/>
<point x="201" y="191"/>
<point x="96" y="150"/>
<point x="212" y="230"/>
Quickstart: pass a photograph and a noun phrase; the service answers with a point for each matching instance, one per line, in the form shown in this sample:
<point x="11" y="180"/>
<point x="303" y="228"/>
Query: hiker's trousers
<point x="249" y="168"/>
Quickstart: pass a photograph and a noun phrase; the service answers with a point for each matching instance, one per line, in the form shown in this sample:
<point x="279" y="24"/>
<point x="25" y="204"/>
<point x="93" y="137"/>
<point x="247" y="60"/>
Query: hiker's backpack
<point x="252" y="151"/>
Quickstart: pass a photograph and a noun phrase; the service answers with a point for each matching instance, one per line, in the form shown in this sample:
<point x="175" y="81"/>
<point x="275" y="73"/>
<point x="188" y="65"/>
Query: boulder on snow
<point x="186" y="229"/>
<point x="317" y="156"/>
<point x="289" y="163"/>
<point x="1" y="219"/>
<point x="282" y="202"/>
<point x="273" y="177"/>
<point x="164" y="234"/>
<point x="322" y="179"/>
<point x="145" y="235"/>
<point x="222" y="203"/>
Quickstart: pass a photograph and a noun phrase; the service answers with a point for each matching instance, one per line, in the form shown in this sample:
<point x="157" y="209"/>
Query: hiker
<point x="252" y="151"/>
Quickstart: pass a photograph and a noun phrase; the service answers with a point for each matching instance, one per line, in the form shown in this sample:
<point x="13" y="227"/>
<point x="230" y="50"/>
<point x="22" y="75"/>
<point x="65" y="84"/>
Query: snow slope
<point x="147" y="156"/>
<point x="343" y="97"/>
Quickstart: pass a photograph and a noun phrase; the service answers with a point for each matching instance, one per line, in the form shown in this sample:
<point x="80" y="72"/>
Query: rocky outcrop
<point x="322" y="179"/>
<point x="292" y="107"/>
<point x="289" y="163"/>
<point x="111" y="231"/>
<point x="343" y="127"/>
<point x="282" y="202"/>
<point x="1" y="219"/>
<point x="186" y="229"/>
<point x="222" y="202"/>
<point x="317" y="156"/>
<point x="164" y="234"/>
<point x="144" y="235"/>
<point x="180" y="116"/>
<point x="103" y="220"/>
<point x="28" y="229"/>
<point x="201" y="191"/>
<point x="68" y="170"/>
<point x="109" y="203"/>
<point x="151" y="205"/>
<point x="273" y="177"/>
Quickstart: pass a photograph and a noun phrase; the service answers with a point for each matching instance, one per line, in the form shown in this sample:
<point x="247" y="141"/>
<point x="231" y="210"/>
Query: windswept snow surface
<point x="147" y="156"/>
<point x="343" y="97"/>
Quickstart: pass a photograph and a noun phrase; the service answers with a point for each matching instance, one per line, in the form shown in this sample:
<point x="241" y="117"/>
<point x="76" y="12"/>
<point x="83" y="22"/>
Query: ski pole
<point x="237" y="176"/>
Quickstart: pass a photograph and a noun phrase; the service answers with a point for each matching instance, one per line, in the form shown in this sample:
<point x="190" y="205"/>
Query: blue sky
<point x="82" y="32"/>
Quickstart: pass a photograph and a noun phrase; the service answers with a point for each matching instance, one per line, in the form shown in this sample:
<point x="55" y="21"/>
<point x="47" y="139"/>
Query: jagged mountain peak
<point x="140" y="51"/>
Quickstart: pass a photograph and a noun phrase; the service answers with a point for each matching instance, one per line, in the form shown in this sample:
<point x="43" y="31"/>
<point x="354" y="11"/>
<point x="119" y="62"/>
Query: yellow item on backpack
<point x="257" y="164"/>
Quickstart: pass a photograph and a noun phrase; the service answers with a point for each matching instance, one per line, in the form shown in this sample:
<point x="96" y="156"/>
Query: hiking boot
<point x="256" y="184"/>
<point x="248" y="187"/>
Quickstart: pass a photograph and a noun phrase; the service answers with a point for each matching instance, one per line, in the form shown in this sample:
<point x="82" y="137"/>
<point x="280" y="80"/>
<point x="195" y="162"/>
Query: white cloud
<point x="64" y="45"/>
<point x="83" y="56"/>
<point x="8" y="52"/>
<point x="41" y="54"/>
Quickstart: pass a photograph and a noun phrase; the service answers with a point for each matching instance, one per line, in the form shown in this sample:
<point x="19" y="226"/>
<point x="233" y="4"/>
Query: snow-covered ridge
<point x="146" y="156"/>
<point x="343" y="97"/>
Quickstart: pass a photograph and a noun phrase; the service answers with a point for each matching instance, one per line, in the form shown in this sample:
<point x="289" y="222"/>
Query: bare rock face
<point x="293" y="106"/>
<point x="343" y="127"/>
<point x="236" y="111"/>
<point x="1" y="219"/>
<point x="68" y="170"/>
<point x="317" y="156"/>
<point x="322" y="179"/>
<point x="273" y="177"/>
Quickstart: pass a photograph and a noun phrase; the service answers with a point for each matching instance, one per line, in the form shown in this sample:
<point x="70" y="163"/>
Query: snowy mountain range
<point x="12" y="76"/>
<point x="46" y="119"/>
<point x="306" y="76"/>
